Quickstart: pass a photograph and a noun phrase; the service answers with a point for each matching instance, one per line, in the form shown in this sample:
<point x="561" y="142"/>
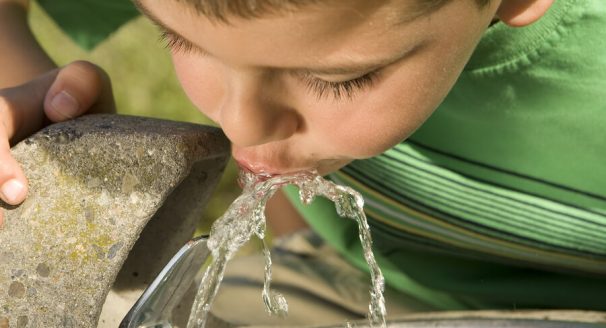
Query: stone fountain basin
<point x="111" y="199"/>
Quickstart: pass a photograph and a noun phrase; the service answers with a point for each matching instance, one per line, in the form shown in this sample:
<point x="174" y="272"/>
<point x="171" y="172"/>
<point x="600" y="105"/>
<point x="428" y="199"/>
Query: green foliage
<point x="143" y="82"/>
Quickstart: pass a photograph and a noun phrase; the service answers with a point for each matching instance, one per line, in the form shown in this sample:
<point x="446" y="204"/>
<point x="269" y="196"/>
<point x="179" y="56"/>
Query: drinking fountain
<point x="111" y="199"/>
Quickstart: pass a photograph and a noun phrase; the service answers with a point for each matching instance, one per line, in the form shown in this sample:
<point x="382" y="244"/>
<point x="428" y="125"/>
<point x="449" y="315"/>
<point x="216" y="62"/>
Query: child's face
<point x="278" y="84"/>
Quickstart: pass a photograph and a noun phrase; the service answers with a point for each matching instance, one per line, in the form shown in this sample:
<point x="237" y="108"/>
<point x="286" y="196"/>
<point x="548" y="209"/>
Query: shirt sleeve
<point x="89" y="22"/>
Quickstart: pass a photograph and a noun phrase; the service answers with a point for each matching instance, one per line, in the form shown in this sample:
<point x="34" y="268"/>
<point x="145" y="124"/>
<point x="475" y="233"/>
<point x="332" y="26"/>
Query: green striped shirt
<point x="499" y="200"/>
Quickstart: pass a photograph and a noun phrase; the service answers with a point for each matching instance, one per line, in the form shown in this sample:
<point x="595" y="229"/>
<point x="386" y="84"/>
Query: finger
<point x="21" y="106"/>
<point x="78" y="88"/>
<point x="13" y="184"/>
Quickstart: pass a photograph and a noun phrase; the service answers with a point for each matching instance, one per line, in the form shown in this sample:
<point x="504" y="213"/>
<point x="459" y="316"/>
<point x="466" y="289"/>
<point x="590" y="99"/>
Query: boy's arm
<point x="33" y="91"/>
<point x="57" y="95"/>
<point x="21" y="58"/>
<point x="282" y="217"/>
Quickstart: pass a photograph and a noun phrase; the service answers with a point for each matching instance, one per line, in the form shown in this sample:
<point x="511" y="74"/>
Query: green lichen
<point x="71" y="220"/>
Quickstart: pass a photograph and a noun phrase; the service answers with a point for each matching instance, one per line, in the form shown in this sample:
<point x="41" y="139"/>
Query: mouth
<point x="262" y="169"/>
<point x="244" y="166"/>
<point x="252" y="162"/>
<point x="257" y="161"/>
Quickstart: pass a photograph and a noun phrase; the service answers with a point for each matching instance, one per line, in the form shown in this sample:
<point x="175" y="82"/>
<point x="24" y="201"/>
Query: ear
<point x="518" y="13"/>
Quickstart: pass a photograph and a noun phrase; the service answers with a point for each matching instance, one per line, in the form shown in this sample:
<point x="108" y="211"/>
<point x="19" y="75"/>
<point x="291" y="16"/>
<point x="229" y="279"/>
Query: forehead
<point x="325" y="32"/>
<point x="224" y="10"/>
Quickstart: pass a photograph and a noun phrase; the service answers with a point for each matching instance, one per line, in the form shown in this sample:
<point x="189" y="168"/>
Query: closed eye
<point x="176" y="43"/>
<point x="320" y="87"/>
<point x="338" y="90"/>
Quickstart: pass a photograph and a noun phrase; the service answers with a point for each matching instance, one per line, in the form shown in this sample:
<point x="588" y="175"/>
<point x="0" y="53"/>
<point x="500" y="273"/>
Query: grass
<point x="143" y="82"/>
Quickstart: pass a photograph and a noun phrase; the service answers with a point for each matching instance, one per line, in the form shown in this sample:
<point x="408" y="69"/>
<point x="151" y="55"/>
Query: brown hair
<point x="222" y="9"/>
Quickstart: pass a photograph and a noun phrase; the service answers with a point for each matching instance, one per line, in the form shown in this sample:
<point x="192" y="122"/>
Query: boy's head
<point x="301" y="84"/>
<point x="223" y="10"/>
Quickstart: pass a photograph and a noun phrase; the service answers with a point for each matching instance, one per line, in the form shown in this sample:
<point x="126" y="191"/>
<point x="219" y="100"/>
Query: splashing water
<point x="246" y="216"/>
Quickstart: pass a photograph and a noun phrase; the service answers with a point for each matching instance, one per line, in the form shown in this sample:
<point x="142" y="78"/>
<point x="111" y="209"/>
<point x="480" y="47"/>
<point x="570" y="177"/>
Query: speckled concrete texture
<point x="97" y="183"/>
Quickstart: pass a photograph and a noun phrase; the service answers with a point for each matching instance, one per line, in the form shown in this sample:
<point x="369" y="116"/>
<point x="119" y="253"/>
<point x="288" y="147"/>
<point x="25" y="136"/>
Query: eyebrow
<point x="156" y="21"/>
<point x="353" y="68"/>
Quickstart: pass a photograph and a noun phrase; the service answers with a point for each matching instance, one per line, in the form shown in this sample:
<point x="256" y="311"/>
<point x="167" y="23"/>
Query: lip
<point x="252" y="164"/>
<point x="261" y="169"/>
<point x="244" y="165"/>
<point x="253" y="160"/>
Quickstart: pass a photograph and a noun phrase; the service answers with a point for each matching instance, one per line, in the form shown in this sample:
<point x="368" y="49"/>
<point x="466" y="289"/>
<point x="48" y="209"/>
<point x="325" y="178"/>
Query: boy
<point x="480" y="207"/>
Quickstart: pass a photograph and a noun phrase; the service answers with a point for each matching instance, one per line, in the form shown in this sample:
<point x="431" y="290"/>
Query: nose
<point x="253" y="111"/>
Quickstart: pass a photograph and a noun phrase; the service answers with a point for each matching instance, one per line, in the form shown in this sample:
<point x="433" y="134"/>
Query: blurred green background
<point x="143" y="82"/>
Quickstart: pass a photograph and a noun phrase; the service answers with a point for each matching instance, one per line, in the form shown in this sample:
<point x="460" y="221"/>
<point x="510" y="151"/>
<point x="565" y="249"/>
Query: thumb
<point x="78" y="88"/>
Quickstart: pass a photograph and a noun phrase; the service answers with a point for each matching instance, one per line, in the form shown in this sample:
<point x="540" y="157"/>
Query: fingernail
<point x="65" y="104"/>
<point x="11" y="190"/>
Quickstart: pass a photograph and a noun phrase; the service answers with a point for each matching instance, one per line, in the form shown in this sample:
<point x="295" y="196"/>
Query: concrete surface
<point x="96" y="184"/>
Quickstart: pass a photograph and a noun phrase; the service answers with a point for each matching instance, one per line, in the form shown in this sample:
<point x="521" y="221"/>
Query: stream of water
<point x="246" y="217"/>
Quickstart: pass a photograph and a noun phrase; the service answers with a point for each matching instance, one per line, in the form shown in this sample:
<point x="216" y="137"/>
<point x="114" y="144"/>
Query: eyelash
<point x="175" y="43"/>
<point x="339" y="89"/>
<point x="318" y="86"/>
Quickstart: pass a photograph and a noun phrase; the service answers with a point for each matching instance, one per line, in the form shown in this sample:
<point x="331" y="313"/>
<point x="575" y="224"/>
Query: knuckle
<point x="84" y="65"/>
<point x="89" y="72"/>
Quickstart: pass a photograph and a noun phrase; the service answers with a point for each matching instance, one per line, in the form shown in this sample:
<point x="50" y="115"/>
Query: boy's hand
<point x="58" y="95"/>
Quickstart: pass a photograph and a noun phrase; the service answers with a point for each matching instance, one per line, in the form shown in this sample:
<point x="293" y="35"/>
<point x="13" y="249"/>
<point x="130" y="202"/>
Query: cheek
<point x="399" y="104"/>
<point x="371" y="133"/>
<point x="372" y="123"/>
<point x="369" y="125"/>
<point x="201" y="82"/>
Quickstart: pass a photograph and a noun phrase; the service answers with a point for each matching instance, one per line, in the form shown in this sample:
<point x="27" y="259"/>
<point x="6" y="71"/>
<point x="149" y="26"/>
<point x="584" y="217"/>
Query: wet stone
<point x="43" y="270"/>
<point x="16" y="289"/>
<point x="18" y="273"/>
<point x="68" y="322"/>
<point x="62" y="138"/>
<point x="22" y="321"/>
<point x="5" y="257"/>
<point x="95" y="184"/>
<point x="113" y="250"/>
<point x="89" y="214"/>
<point x="31" y="292"/>
<point x="98" y="251"/>
<point x="104" y="126"/>
<point x="128" y="183"/>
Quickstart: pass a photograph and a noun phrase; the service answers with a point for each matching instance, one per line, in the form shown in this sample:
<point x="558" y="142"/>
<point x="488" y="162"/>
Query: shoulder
<point x="569" y="26"/>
